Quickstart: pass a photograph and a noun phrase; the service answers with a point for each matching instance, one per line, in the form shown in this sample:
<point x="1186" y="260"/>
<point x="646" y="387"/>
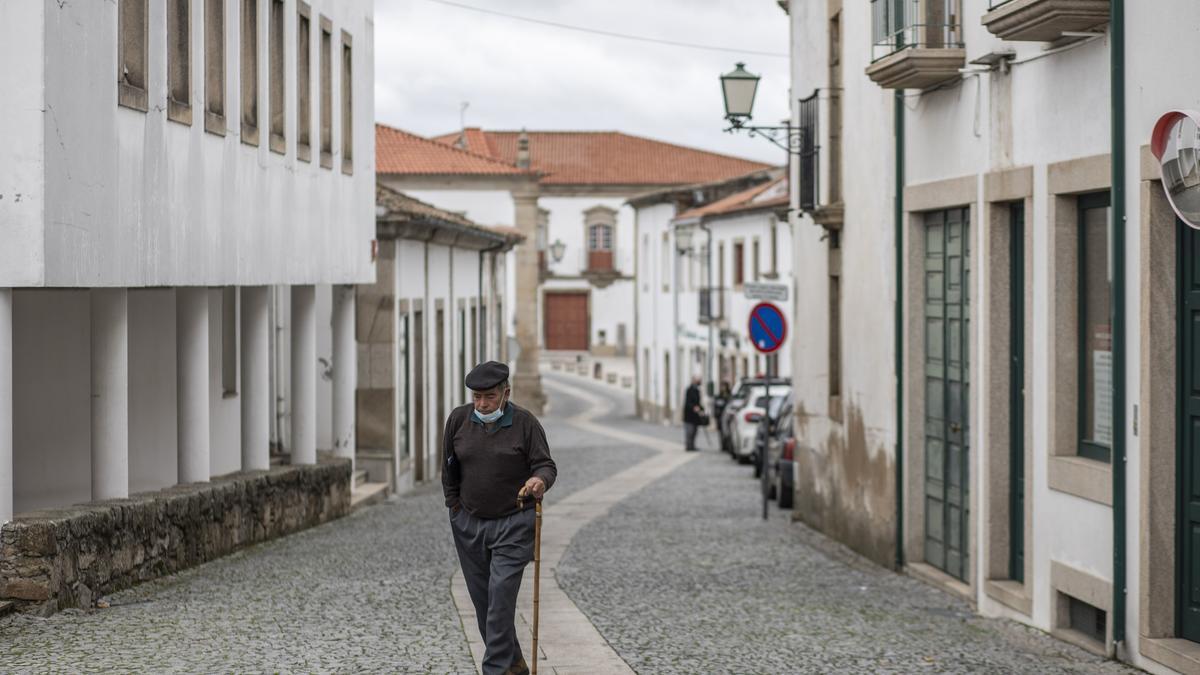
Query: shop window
<point x="249" y="69"/>
<point x="347" y="105"/>
<point x="303" y="82"/>
<point x="277" y="100"/>
<point x="179" y="61"/>
<point x="214" y="66"/>
<point x="326" y="93"/>
<point x="1095" y="322"/>
<point x="131" y="54"/>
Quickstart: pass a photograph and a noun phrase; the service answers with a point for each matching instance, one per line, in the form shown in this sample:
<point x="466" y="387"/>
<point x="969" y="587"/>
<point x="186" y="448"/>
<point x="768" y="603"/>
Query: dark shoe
<point x="518" y="668"/>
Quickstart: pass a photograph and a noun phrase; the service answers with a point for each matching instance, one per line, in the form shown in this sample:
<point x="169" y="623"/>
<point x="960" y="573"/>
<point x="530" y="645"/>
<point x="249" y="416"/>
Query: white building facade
<point x="178" y="176"/>
<point x="992" y="249"/>
<point x="698" y="247"/>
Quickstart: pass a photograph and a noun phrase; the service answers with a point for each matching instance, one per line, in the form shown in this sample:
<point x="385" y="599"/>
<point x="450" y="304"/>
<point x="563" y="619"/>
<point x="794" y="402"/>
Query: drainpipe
<point x="1117" y="64"/>
<point x="898" y="215"/>
<point x="716" y="386"/>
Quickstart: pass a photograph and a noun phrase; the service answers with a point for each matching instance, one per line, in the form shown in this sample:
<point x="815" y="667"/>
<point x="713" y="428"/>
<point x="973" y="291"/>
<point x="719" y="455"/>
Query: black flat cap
<point x="486" y="375"/>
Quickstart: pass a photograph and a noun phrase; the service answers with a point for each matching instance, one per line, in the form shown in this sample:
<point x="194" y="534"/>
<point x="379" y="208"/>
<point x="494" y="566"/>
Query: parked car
<point x="745" y="423"/>
<point x="741" y="395"/>
<point x="781" y="458"/>
<point x="778" y="407"/>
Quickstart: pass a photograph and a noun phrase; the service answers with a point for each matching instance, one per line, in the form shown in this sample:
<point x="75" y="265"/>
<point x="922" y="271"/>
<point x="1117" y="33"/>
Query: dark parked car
<point x="779" y="408"/>
<point x="781" y="460"/>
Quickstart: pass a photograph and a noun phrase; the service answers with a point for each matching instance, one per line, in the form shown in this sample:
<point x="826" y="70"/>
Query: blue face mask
<point x="492" y="416"/>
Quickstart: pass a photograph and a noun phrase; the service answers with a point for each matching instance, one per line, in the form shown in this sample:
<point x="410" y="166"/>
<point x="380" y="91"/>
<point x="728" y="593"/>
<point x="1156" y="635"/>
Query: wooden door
<point x="947" y="465"/>
<point x="1188" y="461"/>
<point x="567" y="321"/>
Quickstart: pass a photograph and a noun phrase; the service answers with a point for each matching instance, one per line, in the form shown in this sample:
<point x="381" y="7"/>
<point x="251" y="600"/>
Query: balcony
<point x="917" y="44"/>
<point x="1043" y="20"/>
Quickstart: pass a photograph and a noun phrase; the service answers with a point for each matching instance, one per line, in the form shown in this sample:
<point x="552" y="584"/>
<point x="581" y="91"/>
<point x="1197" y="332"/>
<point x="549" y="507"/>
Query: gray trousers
<point x="493" y="554"/>
<point x="689" y="435"/>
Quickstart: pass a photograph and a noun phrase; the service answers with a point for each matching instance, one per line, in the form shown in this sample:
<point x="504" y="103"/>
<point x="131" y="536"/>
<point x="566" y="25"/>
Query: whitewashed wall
<point x="115" y="197"/>
<point x="656" y="310"/>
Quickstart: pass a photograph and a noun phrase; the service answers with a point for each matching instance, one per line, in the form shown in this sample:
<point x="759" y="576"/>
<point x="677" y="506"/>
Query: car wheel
<point x="785" y="498"/>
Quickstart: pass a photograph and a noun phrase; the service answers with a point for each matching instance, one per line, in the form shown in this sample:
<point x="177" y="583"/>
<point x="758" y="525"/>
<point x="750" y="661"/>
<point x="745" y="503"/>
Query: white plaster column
<point x="191" y="382"/>
<point x="304" y="375"/>
<point x="345" y="371"/>
<point x="110" y="393"/>
<point x="256" y="409"/>
<point x="6" y="406"/>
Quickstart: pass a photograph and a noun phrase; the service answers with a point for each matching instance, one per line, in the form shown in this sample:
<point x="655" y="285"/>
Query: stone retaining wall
<point x="69" y="557"/>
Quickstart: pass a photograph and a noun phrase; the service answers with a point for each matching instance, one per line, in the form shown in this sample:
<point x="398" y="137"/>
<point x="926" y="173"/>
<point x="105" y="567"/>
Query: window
<point x="326" y="93"/>
<point x="600" y="237"/>
<point x="214" y="66"/>
<point x="835" y="109"/>
<point x="665" y="269"/>
<point x="278" y="140"/>
<point x="739" y="264"/>
<point x="303" y="82"/>
<point x="754" y="259"/>
<point x="1095" y="333"/>
<point x="179" y="68"/>
<point x="249" y="38"/>
<point x="720" y="309"/>
<point x="774" y="248"/>
<point x="347" y="105"/>
<point x="131" y="54"/>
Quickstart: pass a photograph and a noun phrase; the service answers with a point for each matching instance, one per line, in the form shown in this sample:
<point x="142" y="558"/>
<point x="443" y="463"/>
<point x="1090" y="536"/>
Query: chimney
<point x="523" y="150"/>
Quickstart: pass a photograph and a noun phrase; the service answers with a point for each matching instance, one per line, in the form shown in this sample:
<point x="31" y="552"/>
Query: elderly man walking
<point x="497" y="464"/>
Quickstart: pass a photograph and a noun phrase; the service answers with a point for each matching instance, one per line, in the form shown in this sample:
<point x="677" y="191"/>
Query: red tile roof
<point x="604" y="157"/>
<point x="399" y="152"/>
<point x="766" y="196"/>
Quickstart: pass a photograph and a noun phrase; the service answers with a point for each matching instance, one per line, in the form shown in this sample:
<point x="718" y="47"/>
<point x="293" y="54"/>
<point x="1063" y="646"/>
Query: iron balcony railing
<point x="809" y="156"/>
<point x="903" y="24"/>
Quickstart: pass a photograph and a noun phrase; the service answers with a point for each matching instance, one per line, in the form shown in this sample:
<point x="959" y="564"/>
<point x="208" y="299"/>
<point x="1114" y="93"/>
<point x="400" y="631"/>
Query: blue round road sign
<point x="768" y="328"/>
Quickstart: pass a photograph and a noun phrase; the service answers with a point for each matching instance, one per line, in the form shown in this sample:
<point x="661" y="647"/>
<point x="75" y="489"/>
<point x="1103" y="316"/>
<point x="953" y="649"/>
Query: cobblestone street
<point x="681" y="577"/>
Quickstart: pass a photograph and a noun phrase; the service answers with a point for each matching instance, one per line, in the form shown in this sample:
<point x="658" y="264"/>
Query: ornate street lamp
<point x="739" y="87"/>
<point x="557" y="250"/>
<point x="683" y="239"/>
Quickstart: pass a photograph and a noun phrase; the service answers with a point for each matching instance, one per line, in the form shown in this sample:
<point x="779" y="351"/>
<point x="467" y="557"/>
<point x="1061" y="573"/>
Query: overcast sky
<point x="429" y="58"/>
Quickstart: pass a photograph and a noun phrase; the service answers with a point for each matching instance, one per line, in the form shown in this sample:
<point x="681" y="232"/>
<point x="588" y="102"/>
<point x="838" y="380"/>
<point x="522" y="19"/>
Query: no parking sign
<point x="768" y="328"/>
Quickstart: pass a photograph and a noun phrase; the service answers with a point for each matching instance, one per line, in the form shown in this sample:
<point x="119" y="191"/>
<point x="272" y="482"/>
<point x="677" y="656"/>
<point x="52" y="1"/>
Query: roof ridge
<point x="449" y="146"/>
<point x="614" y="132"/>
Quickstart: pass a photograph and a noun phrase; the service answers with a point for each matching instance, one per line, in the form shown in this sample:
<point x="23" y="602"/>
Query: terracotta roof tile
<point x="607" y="158"/>
<point x="399" y="152"/>
<point x="768" y="195"/>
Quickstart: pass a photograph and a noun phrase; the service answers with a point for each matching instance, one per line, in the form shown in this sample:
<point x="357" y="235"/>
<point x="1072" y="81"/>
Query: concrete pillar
<point x="304" y="375"/>
<point x="191" y="382"/>
<point x="6" y="406"/>
<point x="345" y="371"/>
<point x="256" y="409"/>
<point x="527" y="382"/>
<point x="110" y="393"/>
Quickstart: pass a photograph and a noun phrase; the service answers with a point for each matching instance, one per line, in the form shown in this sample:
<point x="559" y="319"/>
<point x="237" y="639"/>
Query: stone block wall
<point x="68" y="557"/>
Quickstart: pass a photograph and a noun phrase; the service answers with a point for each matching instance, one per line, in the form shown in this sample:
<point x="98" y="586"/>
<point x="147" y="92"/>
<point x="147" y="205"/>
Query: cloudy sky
<point x="431" y="57"/>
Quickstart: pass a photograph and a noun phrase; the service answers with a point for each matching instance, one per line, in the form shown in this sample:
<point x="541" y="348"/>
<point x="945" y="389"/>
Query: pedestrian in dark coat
<point x="497" y="463"/>
<point x="693" y="414"/>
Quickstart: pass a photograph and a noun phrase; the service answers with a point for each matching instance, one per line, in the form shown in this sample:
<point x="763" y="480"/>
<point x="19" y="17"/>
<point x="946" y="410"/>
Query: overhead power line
<point x="622" y="36"/>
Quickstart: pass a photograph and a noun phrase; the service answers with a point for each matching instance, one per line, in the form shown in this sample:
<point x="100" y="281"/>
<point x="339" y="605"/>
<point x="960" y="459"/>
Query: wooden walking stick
<point x="537" y="576"/>
<point x="537" y="569"/>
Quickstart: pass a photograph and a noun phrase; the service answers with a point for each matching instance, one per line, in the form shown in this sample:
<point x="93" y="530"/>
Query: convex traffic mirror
<point x="1176" y="145"/>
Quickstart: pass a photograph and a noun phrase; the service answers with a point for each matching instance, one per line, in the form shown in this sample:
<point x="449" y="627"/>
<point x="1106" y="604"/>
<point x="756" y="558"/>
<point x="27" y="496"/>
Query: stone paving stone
<point x="684" y="577"/>
<point x="368" y="593"/>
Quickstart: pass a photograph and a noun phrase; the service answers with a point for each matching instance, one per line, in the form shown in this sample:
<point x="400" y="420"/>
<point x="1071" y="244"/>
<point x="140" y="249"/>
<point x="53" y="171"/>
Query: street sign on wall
<point x="760" y="291"/>
<point x="767" y="327"/>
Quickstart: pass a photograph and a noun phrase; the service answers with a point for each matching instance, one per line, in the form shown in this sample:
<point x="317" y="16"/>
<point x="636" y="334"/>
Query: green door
<point x="1188" y="466"/>
<point x="1016" y="393"/>
<point x="947" y="279"/>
